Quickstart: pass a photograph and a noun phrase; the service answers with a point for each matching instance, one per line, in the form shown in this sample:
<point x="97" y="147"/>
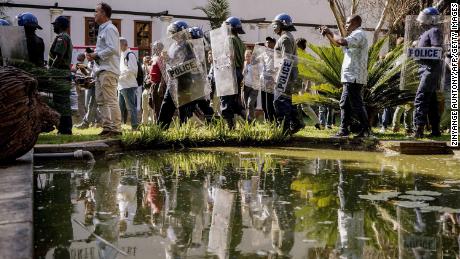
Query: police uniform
<point x="231" y="104"/>
<point x="60" y="58"/>
<point x="179" y="51"/>
<point x="426" y="103"/>
<point x="283" y="96"/>
<point x="35" y="49"/>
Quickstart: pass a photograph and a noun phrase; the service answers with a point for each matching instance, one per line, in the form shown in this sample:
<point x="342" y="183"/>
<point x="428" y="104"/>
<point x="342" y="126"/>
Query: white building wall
<point x="302" y="11"/>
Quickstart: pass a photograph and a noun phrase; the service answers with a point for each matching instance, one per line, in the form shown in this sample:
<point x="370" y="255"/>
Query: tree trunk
<point x="382" y="20"/>
<point x="339" y="17"/>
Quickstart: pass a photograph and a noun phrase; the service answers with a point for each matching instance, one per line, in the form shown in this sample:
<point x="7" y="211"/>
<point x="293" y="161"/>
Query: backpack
<point x="140" y="71"/>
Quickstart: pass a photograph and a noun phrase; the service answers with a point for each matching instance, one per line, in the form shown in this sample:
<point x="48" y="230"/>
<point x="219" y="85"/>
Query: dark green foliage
<point x="382" y="89"/>
<point x="217" y="11"/>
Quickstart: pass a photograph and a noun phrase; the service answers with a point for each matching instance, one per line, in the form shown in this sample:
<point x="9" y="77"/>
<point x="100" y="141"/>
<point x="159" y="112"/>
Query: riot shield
<point x="223" y="62"/>
<point x="253" y="71"/>
<point x="13" y="45"/>
<point x="265" y="56"/>
<point x="183" y="69"/>
<point x="417" y="59"/>
<point x="287" y="78"/>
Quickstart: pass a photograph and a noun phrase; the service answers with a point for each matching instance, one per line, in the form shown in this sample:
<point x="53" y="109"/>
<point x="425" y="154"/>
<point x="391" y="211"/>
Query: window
<point x="91" y="30"/>
<point x="143" y="37"/>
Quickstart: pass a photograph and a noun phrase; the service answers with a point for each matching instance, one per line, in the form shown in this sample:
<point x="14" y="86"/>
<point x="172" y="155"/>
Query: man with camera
<point x="353" y="75"/>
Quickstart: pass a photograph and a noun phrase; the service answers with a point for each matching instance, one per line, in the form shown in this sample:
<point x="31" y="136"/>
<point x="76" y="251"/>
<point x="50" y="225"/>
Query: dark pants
<point x="206" y="109"/>
<point x="167" y="111"/>
<point x="286" y="112"/>
<point x="231" y="104"/>
<point x="351" y="103"/>
<point x="387" y="117"/>
<point x="250" y="101"/>
<point x="268" y="106"/>
<point x="326" y="115"/>
<point x="426" y="102"/>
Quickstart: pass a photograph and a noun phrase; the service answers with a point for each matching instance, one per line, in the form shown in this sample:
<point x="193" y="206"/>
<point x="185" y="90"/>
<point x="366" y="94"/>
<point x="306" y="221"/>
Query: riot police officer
<point x="286" y="47"/>
<point x="176" y="51"/>
<point x="3" y="22"/>
<point x="426" y="103"/>
<point x="231" y="104"/>
<point x="35" y="44"/>
<point x="202" y="104"/>
<point x="60" y="58"/>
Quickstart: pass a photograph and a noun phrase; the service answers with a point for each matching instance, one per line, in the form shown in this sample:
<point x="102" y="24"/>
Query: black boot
<point x="419" y="131"/>
<point x="435" y="131"/>
<point x="65" y="125"/>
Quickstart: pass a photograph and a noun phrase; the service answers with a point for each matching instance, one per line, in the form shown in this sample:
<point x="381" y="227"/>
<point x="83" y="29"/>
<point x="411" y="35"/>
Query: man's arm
<point x="113" y="45"/>
<point x="333" y="38"/>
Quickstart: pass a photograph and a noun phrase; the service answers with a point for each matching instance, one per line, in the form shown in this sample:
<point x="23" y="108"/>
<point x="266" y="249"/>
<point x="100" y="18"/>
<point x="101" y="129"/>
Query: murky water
<point x="249" y="203"/>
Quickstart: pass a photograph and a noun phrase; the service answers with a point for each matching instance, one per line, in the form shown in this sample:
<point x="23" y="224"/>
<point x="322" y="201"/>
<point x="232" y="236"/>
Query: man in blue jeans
<point x="353" y="75"/>
<point x="127" y="84"/>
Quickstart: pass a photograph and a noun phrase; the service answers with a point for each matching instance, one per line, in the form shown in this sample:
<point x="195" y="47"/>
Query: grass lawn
<point x="80" y="135"/>
<point x="312" y="132"/>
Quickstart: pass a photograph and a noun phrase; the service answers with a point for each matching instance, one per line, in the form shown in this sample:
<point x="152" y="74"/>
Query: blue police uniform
<point x="426" y="103"/>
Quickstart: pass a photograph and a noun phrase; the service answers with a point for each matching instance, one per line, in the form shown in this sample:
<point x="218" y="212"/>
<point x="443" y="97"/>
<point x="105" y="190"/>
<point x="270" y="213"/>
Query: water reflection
<point x="242" y="205"/>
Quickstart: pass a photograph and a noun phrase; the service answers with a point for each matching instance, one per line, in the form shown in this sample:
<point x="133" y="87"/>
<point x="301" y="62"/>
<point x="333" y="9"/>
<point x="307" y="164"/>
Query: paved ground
<point x="16" y="209"/>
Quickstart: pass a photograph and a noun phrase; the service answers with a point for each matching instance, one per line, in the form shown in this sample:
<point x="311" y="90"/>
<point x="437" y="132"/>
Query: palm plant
<point x="217" y="11"/>
<point x="382" y="89"/>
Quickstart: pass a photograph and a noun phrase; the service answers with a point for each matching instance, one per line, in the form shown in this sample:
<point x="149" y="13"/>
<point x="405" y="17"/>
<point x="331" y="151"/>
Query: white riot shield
<point x="265" y="56"/>
<point x="183" y="68"/>
<point x="417" y="58"/>
<point x="286" y="73"/>
<point x="253" y="71"/>
<point x="223" y="62"/>
<point x="13" y="45"/>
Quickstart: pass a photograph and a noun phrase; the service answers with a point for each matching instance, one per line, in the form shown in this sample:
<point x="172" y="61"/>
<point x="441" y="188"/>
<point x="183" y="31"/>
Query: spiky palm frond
<point x="382" y="89"/>
<point x="217" y="11"/>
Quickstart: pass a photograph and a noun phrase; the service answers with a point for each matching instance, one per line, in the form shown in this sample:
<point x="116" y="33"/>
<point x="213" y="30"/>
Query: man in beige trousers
<point x="107" y="70"/>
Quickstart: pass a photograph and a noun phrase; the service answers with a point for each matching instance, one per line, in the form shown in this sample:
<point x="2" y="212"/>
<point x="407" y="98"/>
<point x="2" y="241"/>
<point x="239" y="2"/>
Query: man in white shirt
<point x="353" y="76"/>
<point x="127" y="84"/>
<point x="107" y="70"/>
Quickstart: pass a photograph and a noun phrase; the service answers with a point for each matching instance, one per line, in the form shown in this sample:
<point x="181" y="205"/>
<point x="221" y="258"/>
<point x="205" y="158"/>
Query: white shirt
<point x="128" y="70"/>
<point x="108" y="49"/>
<point x="354" y="66"/>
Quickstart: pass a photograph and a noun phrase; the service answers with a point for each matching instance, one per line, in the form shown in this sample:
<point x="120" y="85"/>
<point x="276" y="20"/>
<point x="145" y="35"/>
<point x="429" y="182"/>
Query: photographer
<point x="354" y="75"/>
<point x="91" y="115"/>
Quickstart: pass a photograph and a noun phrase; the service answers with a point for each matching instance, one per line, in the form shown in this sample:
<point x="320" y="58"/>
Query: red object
<point x="155" y="73"/>
<point x="154" y="198"/>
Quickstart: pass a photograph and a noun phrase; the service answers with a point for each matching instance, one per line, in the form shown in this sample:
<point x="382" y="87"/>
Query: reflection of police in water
<point x="426" y="103"/>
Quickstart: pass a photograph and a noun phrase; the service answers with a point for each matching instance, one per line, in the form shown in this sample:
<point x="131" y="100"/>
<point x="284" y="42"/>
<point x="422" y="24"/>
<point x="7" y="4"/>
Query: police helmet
<point x="428" y="16"/>
<point x="4" y="22"/>
<point x="196" y="32"/>
<point x="177" y="26"/>
<point x="284" y="22"/>
<point x="235" y="24"/>
<point x="28" y="20"/>
<point x="62" y="21"/>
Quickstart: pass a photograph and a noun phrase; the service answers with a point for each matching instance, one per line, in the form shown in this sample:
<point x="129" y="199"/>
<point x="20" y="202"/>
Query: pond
<point x="249" y="203"/>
